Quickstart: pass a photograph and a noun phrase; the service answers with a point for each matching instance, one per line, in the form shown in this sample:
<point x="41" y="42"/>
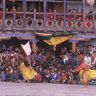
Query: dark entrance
<point x="11" y="43"/>
<point x="43" y="45"/>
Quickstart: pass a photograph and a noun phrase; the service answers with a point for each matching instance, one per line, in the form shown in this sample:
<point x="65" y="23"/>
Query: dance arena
<point x="45" y="89"/>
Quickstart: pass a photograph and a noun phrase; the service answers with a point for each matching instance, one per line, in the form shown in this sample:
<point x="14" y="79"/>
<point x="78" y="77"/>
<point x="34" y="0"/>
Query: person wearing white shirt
<point x="88" y="60"/>
<point x="65" y="58"/>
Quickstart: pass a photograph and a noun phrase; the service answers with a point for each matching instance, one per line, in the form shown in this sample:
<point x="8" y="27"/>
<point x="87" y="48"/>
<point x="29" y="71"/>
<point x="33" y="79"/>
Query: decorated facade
<point x="24" y="18"/>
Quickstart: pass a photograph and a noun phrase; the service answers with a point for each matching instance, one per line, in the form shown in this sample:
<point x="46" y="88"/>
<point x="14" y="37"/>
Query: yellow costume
<point x="86" y="76"/>
<point x="27" y="73"/>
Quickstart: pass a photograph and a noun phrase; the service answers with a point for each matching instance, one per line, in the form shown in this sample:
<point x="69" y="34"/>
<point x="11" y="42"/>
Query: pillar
<point x="34" y="46"/>
<point x="64" y="11"/>
<point x="55" y="16"/>
<point x="14" y="15"/>
<point x="4" y="8"/>
<point x="44" y="15"/>
<point x="84" y="17"/>
<point x="34" y="16"/>
<point x="24" y="15"/>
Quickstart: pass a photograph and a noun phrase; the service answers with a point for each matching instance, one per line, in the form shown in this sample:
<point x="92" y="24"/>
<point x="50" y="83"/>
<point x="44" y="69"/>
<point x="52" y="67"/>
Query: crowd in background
<point x="52" y="68"/>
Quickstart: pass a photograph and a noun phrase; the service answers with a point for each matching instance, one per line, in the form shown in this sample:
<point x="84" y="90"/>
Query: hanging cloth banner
<point x="57" y="40"/>
<point x="27" y="48"/>
<point x="90" y="2"/>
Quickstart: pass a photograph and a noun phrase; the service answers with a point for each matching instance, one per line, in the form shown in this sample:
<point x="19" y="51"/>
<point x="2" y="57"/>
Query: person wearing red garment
<point x="82" y="68"/>
<point x="69" y="15"/>
<point x="50" y="14"/>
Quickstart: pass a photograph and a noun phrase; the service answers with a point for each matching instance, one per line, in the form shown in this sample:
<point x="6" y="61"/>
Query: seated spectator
<point x="14" y="76"/>
<point x="63" y="78"/>
<point x="9" y="74"/>
<point x="55" y="77"/>
<point x="70" y="15"/>
<point x="2" y="76"/>
<point x="47" y="76"/>
<point x="79" y="15"/>
<point x="70" y="77"/>
<point x="50" y="14"/>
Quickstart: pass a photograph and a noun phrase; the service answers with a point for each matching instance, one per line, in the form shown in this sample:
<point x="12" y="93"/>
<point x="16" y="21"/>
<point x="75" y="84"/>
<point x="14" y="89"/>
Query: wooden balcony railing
<point x="74" y="22"/>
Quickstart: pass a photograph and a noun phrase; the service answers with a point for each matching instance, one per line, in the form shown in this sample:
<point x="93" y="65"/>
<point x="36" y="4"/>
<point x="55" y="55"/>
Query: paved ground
<point x="43" y="89"/>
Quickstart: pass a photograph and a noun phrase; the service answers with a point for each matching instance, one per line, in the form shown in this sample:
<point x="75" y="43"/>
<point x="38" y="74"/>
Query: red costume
<point x="82" y="66"/>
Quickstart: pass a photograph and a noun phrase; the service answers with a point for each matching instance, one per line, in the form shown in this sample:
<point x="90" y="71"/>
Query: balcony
<point x="73" y="22"/>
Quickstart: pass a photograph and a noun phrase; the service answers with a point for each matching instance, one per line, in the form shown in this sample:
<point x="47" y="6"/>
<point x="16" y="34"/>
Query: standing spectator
<point x="74" y="60"/>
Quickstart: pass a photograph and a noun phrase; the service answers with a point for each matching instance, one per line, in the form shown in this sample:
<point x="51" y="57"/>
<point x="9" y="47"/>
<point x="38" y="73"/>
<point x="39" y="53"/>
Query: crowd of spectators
<point x="52" y="68"/>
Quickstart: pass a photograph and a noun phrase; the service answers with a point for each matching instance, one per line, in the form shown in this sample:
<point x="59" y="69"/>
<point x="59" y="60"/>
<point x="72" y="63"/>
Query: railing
<point x="74" y="22"/>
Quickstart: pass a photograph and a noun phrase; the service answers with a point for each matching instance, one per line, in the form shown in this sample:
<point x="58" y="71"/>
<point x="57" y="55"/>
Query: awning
<point x="57" y="40"/>
<point x="43" y="36"/>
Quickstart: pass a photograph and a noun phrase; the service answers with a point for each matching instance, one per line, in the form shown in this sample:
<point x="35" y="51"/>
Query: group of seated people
<point x="52" y="68"/>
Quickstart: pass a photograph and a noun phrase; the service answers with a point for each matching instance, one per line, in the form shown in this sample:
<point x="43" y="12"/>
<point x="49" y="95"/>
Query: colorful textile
<point x="27" y="73"/>
<point x="57" y="40"/>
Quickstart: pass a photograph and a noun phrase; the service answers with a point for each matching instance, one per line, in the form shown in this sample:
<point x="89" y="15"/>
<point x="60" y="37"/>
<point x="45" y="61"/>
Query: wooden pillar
<point x="64" y="11"/>
<point x="4" y="9"/>
<point x="34" y="46"/>
<point x="44" y="15"/>
<point x="55" y="16"/>
<point x="24" y="15"/>
<point x="84" y="17"/>
<point x="34" y="16"/>
<point x="14" y="17"/>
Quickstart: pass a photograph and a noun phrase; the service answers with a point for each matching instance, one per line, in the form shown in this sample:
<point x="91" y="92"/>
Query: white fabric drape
<point x="27" y="48"/>
<point x="90" y="2"/>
